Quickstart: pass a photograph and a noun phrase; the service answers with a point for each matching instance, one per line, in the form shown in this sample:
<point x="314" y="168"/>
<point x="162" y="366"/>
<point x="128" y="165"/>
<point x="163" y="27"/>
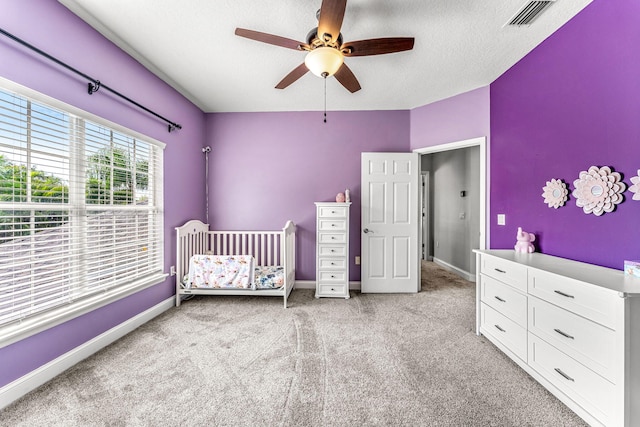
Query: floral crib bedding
<point x="270" y="277"/>
<point x="231" y="272"/>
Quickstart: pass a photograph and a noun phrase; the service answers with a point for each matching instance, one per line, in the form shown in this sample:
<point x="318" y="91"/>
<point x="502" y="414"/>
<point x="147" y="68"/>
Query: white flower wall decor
<point x="555" y="193"/>
<point x="635" y="188"/>
<point x="598" y="190"/>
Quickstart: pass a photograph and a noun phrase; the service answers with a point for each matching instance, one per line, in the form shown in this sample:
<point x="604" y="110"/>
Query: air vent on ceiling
<point x="529" y="12"/>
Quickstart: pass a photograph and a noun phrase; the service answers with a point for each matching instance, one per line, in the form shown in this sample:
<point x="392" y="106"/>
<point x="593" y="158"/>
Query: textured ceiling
<point x="460" y="45"/>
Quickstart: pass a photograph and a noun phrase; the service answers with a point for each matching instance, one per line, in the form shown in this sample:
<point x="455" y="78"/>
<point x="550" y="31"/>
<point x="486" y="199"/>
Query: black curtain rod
<point x="94" y="85"/>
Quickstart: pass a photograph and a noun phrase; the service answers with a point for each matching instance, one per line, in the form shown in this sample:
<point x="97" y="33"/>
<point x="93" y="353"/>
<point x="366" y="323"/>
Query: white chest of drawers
<point x="332" y="249"/>
<point x="572" y="326"/>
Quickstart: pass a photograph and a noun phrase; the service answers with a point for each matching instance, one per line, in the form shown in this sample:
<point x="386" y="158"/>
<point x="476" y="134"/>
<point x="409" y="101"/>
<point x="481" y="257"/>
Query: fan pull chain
<point x="325" y="99"/>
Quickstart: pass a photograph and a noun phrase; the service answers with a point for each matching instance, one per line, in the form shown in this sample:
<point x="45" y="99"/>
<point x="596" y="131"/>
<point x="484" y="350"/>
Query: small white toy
<point x="524" y="240"/>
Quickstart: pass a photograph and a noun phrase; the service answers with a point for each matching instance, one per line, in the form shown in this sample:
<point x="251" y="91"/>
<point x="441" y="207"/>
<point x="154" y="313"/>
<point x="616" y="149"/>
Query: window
<point x="80" y="214"/>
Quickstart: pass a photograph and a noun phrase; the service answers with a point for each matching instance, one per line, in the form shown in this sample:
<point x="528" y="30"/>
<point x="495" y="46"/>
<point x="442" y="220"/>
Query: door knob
<point x="366" y="231"/>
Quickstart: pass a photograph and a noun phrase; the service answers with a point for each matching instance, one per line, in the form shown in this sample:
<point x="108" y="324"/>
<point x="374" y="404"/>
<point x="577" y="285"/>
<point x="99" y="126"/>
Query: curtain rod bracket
<point x="93" y="88"/>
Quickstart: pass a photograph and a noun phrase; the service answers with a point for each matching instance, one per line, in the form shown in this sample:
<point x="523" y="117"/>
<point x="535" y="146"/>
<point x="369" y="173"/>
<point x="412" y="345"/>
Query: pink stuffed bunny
<point x="524" y="240"/>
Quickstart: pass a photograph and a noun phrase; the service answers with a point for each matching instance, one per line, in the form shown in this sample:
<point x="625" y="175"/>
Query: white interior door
<point x="390" y="222"/>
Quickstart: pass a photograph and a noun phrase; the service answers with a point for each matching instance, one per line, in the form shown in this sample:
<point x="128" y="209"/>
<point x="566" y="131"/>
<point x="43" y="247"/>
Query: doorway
<point x="453" y="205"/>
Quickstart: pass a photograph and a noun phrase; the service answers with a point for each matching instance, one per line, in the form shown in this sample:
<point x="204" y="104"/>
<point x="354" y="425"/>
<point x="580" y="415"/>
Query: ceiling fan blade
<point x="271" y="39"/>
<point x="330" y="20"/>
<point x="294" y="75"/>
<point x="377" y="46"/>
<point x="347" y="79"/>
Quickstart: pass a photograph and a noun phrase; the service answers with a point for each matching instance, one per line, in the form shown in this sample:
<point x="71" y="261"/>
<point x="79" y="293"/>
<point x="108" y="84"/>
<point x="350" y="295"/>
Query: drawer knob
<point x="333" y="238"/>
<point x="333" y="211"/>
<point x="333" y="263"/>
<point x="499" y="299"/>
<point x="332" y="289"/>
<point x="499" y="328"/>
<point x="333" y="250"/>
<point x="567" y="377"/>
<point x="332" y="276"/>
<point x="563" y="294"/>
<point x="499" y="271"/>
<point x="333" y="225"/>
<point x="564" y="334"/>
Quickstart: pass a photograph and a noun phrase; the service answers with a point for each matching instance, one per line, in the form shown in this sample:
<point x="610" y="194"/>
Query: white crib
<point x="269" y="248"/>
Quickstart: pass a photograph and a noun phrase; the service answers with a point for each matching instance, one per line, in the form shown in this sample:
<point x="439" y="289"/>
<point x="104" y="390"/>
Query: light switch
<point x="501" y="219"/>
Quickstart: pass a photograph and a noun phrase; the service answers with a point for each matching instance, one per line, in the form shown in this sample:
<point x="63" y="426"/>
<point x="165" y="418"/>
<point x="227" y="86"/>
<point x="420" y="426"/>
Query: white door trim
<point x="484" y="178"/>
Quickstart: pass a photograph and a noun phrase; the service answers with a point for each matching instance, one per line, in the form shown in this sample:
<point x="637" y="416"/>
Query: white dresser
<point x="572" y="326"/>
<point x="332" y="249"/>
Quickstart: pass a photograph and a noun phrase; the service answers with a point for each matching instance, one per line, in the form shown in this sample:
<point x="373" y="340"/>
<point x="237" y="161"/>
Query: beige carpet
<point x="371" y="360"/>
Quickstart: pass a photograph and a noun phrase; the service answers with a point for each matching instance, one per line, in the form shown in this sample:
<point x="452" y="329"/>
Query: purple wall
<point x="573" y="102"/>
<point x="51" y="27"/>
<point x="267" y="168"/>
<point x="460" y="117"/>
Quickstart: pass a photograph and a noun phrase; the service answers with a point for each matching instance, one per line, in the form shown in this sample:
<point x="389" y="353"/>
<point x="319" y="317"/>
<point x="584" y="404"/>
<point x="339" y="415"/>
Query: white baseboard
<point x="311" y="284"/>
<point x="460" y="272"/>
<point x="34" y="379"/>
<point x="305" y="284"/>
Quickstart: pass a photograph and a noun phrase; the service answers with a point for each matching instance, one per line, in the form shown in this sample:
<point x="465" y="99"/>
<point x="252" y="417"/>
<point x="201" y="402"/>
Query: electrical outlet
<point x="437" y="243"/>
<point x="462" y="215"/>
<point x="173" y="270"/>
<point x="357" y="260"/>
<point x="502" y="219"/>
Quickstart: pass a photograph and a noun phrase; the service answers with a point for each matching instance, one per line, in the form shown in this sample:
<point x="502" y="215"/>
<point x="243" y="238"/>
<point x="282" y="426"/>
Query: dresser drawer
<point x="592" y="302"/>
<point x="331" y="250"/>
<point x="332" y="276"/>
<point x="332" y="263"/>
<point x="506" y="271"/>
<point x="590" y="343"/>
<point x="332" y="290"/>
<point x="588" y="389"/>
<point x="332" y="211"/>
<point x="332" y="224"/>
<point x="505" y="300"/>
<point x="508" y="332"/>
<point x="332" y="237"/>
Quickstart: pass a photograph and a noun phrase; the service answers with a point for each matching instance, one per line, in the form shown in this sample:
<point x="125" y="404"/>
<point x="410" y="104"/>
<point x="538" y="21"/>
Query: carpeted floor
<point x="372" y="360"/>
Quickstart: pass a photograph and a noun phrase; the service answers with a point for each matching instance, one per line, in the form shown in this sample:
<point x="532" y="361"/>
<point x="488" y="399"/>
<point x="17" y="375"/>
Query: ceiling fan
<point x="325" y="48"/>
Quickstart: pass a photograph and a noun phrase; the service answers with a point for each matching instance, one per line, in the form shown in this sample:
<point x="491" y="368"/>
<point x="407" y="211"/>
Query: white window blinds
<point x="80" y="211"/>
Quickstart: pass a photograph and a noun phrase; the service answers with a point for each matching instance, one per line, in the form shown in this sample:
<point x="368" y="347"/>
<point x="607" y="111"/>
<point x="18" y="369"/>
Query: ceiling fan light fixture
<point x="324" y="61"/>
